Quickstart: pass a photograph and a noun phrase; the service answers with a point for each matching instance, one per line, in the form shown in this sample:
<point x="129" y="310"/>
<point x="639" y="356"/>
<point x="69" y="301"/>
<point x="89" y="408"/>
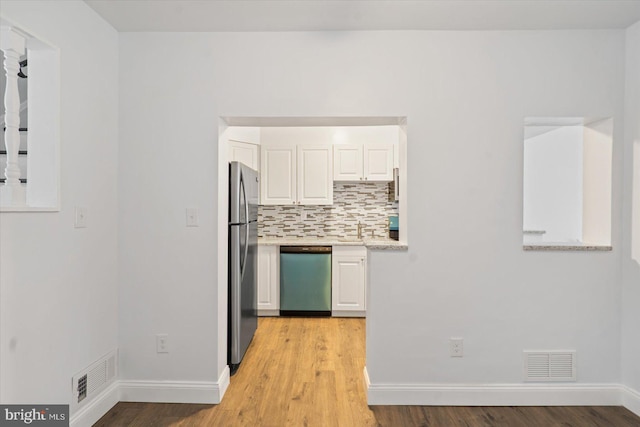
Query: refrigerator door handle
<point x="246" y="251"/>
<point x="243" y="264"/>
<point x="246" y="206"/>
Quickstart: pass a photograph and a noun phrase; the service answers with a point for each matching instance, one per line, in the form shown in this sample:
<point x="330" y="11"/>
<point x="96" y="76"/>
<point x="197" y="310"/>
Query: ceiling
<point x="345" y="15"/>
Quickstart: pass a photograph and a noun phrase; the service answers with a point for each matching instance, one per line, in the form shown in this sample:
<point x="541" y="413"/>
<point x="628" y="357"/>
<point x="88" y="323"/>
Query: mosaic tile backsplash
<point x="352" y="202"/>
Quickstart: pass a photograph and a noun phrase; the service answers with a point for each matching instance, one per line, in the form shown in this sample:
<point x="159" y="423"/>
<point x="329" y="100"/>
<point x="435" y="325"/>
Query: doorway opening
<point x="241" y="138"/>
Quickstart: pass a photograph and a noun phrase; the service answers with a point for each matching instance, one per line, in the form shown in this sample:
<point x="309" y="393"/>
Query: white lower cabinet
<point x="268" y="280"/>
<point x="348" y="281"/>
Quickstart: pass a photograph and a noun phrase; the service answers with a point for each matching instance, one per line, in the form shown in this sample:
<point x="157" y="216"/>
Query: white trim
<point x="387" y="394"/>
<point x="223" y="248"/>
<point x="367" y="381"/>
<point x="631" y="399"/>
<point x="494" y="394"/>
<point x="170" y="391"/>
<point x="99" y="406"/>
<point x="223" y="382"/>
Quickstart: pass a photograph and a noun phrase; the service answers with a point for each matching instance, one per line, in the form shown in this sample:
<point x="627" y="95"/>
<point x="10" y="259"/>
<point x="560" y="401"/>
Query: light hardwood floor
<point x="308" y="372"/>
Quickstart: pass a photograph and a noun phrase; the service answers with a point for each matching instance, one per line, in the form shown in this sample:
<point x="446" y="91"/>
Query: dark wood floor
<point x="308" y="372"/>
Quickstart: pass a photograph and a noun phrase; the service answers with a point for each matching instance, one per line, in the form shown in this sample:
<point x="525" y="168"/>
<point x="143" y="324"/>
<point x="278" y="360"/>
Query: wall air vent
<point x="90" y="381"/>
<point x="82" y="388"/>
<point x="547" y="366"/>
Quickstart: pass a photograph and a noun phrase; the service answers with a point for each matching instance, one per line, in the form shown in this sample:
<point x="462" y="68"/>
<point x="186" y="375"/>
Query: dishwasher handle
<point x="305" y="249"/>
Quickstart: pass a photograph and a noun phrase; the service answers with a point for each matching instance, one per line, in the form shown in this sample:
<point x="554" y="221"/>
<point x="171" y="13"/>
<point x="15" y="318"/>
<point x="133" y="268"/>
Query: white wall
<point x="631" y="221"/>
<point x="319" y="135"/>
<point x="58" y="284"/>
<point x="465" y="96"/>
<point x="168" y="162"/>
<point x="553" y="188"/>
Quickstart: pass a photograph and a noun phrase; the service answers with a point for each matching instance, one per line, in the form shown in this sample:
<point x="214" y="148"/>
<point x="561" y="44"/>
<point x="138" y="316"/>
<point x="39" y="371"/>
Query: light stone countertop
<point x="568" y="248"/>
<point x="384" y="244"/>
<point x="370" y="243"/>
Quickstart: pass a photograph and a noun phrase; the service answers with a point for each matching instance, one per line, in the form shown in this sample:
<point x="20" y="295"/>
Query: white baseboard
<point x="151" y="391"/>
<point x="631" y="400"/>
<point x="269" y="313"/>
<point x="349" y="313"/>
<point x="175" y="391"/>
<point x="100" y="405"/>
<point x="494" y="394"/>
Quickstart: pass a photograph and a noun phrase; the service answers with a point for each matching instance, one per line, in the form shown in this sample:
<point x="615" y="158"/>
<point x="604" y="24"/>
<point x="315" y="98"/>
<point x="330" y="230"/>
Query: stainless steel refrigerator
<point x="244" y="196"/>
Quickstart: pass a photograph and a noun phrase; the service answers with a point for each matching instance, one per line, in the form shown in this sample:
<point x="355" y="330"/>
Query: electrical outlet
<point x="303" y="216"/>
<point x="456" y="347"/>
<point x="162" y="343"/>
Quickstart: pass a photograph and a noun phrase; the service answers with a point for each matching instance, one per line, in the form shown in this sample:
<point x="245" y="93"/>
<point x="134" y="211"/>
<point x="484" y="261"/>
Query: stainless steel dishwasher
<point x="305" y="280"/>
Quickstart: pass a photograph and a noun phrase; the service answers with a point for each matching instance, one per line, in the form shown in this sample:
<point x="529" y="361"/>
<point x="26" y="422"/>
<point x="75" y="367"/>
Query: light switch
<point x="81" y="217"/>
<point x="192" y="217"/>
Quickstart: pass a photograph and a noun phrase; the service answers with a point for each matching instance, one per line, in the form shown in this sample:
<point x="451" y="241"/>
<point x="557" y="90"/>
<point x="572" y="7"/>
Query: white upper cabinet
<point x="363" y="162"/>
<point x="315" y="175"/>
<point x="347" y="162"/>
<point x="297" y="175"/>
<point x="245" y="152"/>
<point x="244" y="145"/>
<point x="378" y="162"/>
<point x="278" y="173"/>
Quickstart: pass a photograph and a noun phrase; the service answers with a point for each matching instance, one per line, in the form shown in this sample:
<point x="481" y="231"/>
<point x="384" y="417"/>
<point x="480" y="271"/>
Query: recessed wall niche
<point x="567" y="181"/>
<point x="39" y="124"/>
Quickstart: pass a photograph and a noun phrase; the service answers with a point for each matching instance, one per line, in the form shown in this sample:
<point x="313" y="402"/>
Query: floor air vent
<point x="550" y="365"/>
<point x="93" y="379"/>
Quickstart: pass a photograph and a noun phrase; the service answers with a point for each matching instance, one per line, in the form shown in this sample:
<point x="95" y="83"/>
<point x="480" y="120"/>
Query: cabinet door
<point x="348" y="284"/>
<point x="268" y="281"/>
<point x="244" y="152"/>
<point x="315" y="175"/>
<point x="278" y="174"/>
<point x="378" y="162"/>
<point x="347" y="162"/>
